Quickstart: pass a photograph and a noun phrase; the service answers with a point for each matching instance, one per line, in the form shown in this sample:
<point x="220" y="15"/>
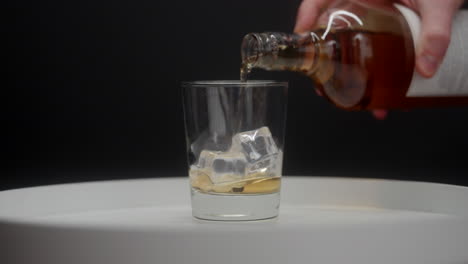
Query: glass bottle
<point x="361" y="55"/>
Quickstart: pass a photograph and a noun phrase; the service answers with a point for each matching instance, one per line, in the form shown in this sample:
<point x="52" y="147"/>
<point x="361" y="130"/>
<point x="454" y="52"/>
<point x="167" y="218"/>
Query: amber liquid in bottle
<point x="354" y="69"/>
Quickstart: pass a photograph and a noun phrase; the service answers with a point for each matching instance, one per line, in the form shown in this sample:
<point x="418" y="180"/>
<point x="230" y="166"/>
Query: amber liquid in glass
<point x="254" y="184"/>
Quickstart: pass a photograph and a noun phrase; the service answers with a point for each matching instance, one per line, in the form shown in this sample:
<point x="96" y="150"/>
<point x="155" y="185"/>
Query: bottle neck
<point x="280" y="51"/>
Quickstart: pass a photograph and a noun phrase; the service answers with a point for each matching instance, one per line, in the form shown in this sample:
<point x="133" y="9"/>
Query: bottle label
<point x="452" y="77"/>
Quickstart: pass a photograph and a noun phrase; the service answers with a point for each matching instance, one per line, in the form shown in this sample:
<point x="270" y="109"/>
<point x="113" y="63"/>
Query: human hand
<point x="436" y="24"/>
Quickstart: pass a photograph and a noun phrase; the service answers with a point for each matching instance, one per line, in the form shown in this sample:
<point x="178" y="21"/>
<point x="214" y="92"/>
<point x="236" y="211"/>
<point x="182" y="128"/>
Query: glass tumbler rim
<point x="233" y="83"/>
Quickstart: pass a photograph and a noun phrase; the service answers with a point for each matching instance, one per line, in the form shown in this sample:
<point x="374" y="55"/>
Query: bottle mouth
<point x="250" y="49"/>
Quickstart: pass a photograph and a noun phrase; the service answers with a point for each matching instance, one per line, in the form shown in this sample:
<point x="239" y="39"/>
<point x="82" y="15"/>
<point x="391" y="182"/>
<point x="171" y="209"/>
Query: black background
<point x="91" y="92"/>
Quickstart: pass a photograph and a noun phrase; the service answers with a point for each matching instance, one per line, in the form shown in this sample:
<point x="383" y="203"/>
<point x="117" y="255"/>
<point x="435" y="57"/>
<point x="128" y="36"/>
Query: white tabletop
<point x="322" y="220"/>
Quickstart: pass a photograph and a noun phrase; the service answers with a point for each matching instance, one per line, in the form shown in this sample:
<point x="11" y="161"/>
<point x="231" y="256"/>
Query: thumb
<point x="436" y="27"/>
<point x="307" y="14"/>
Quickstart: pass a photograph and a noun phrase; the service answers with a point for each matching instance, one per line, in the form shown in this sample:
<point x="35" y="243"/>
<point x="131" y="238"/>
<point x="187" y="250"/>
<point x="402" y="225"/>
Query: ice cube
<point x="269" y="166"/>
<point x="263" y="156"/>
<point x="264" y="166"/>
<point x="208" y="141"/>
<point x="223" y="166"/>
<point x="255" y="144"/>
<point x="199" y="179"/>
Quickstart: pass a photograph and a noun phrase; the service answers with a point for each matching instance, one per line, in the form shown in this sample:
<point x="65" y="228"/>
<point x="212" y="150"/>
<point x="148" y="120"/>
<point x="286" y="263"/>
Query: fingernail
<point x="428" y="64"/>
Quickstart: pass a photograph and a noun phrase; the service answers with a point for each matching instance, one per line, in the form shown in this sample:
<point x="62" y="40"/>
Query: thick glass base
<point x="234" y="207"/>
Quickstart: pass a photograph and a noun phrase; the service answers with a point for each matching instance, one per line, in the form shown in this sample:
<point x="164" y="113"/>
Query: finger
<point x="436" y="26"/>
<point x="380" y="114"/>
<point x="307" y="14"/>
<point x="318" y="92"/>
